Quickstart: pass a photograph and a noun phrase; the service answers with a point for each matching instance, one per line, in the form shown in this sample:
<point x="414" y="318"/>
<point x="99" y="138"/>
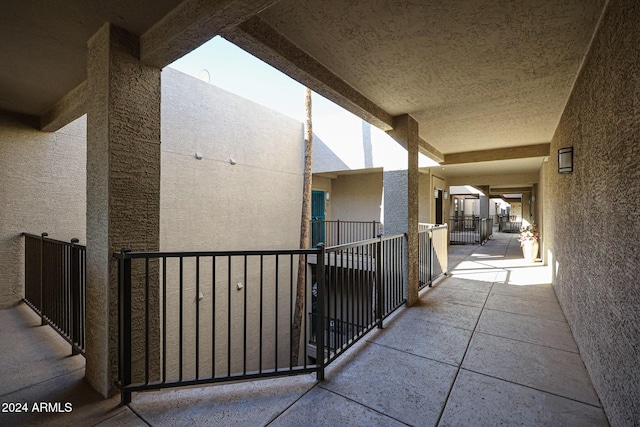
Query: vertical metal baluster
<point x="146" y="320"/>
<point x="261" y="311"/>
<point x="244" y="343"/>
<point x="124" y="324"/>
<point x="229" y="315"/>
<point x="320" y="311"/>
<point x="180" y="333"/>
<point x="305" y="320"/>
<point x="291" y="292"/>
<point x="164" y="319"/>
<point x="197" y="317"/>
<point x="277" y="294"/>
<point x="213" y="316"/>
<point x="74" y="286"/>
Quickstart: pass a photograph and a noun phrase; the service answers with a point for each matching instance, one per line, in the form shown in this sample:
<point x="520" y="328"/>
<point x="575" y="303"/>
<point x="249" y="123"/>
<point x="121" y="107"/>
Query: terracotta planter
<point x="530" y="250"/>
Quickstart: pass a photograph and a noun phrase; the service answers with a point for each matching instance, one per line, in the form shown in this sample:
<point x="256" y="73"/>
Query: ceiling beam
<point x="430" y="151"/>
<point x="261" y="40"/>
<point x="67" y="109"/>
<point x="516" y="179"/>
<point x="191" y="24"/>
<point x="507" y="153"/>
<point x="264" y="42"/>
<point x="510" y="190"/>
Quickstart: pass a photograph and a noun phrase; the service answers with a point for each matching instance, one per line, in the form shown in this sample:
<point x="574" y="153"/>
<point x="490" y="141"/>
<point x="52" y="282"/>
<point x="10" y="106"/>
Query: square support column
<point x="401" y="200"/>
<point x="484" y="200"/>
<point x="123" y="188"/>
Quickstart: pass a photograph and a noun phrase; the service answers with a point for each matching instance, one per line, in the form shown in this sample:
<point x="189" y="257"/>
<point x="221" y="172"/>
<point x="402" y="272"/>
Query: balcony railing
<point x="338" y="232"/>
<point x="509" y="223"/>
<point x="363" y="286"/>
<point x="432" y="252"/>
<point x="469" y="230"/>
<point x="55" y="286"/>
<point x="191" y="318"/>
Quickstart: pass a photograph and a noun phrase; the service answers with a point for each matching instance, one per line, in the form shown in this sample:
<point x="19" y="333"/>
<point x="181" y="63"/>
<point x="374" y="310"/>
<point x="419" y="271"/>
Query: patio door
<point x="317" y="217"/>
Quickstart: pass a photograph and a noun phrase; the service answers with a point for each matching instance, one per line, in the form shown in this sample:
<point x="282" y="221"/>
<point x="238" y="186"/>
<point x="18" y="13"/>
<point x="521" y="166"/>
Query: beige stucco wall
<point x="357" y="197"/>
<point x="425" y="198"/>
<point x="210" y="204"/>
<point x="42" y="189"/>
<point x="592" y="222"/>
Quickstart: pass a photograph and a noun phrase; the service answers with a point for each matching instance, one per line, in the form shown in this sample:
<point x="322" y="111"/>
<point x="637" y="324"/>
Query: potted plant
<point x="529" y="242"/>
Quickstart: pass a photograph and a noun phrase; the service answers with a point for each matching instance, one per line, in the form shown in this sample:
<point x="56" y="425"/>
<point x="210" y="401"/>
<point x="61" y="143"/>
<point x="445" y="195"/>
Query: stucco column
<point x="401" y="200"/>
<point x="123" y="185"/>
<point x="484" y="201"/>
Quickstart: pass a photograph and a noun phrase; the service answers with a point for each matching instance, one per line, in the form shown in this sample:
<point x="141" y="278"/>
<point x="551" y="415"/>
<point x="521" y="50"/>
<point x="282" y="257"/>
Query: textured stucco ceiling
<point x="44" y="44"/>
<point x="476" y="74"/>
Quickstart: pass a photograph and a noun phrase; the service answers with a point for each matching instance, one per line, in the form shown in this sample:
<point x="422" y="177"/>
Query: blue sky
<point x="239" y="72"/>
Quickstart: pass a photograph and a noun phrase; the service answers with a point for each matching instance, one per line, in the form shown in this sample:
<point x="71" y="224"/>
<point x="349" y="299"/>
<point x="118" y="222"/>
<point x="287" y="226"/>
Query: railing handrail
<point x="382" y="238"/>
<point x="49" y="239"/>
<point x="189" y="254"/>
<point x="431" y="227"/>
<point x="348" y="221"/>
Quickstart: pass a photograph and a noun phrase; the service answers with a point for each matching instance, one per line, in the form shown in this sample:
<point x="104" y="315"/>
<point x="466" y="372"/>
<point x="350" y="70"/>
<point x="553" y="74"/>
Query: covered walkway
<point x="486" y="346"/>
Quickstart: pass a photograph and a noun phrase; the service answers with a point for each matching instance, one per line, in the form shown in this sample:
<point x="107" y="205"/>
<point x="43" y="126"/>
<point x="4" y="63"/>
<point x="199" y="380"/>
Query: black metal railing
<point x="338" y="232"/>
<point x="432" y="261"/>
<point x="464" y="230"/>
<point x="189" y="318"/>
<point x="469" y="230"/>
<point x="509" y="223"/>
<point x="55" y="286"/>
<point x="364" y="284"/>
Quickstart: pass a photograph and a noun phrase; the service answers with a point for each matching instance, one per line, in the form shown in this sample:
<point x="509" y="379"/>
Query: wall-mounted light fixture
<point x="198" y="155"/>
<point x="435" y="193"/>
<point x="565" y="160"/>
<point x="327" y="196"/>
<point x="445" y="195"/>
<point x="232" y="161"/>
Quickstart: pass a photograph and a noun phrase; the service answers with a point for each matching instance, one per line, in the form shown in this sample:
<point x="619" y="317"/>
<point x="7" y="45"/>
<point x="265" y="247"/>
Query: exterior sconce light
<point x="445" y="195"/>
<point x="435" y="193"/>
<point x="565" y="160"/>
<point x="232" y="161"/>
<point x="327" y="196"/>
<point x="198" y="155"/>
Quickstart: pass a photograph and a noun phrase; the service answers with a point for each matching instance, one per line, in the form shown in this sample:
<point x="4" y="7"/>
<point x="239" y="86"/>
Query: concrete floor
<point x="487" y="346"/>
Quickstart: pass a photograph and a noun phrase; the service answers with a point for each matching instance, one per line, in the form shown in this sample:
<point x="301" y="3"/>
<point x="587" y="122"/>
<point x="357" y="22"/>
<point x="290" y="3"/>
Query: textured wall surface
<point x="357" y="197"/>
<point x="592" y="222"/>
<point x="210" y="204"/>
<point x="123" y="190"/>
<point x="42" y="189"/>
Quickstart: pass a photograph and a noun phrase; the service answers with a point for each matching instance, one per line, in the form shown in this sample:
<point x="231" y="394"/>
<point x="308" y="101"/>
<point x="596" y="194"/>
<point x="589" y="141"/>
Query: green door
<point x="317" y="217"/>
